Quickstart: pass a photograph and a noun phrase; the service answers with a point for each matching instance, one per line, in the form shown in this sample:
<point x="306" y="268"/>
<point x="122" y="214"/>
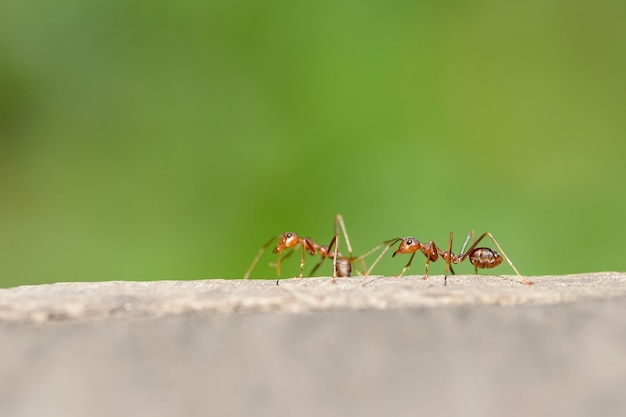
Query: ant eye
<point x="409" y="241"/>
<point x="289" y="234"/>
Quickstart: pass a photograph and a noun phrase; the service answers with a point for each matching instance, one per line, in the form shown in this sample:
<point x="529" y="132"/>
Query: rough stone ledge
<point x="79" y="301"/>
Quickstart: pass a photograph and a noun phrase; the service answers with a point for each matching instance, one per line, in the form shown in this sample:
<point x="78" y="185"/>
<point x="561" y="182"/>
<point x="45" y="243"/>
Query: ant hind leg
<point x="258" y="256"/>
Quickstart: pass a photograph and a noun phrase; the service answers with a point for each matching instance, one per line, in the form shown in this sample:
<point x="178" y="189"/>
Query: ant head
<point x="408" y="245"/>
<point x="286" y="241"/>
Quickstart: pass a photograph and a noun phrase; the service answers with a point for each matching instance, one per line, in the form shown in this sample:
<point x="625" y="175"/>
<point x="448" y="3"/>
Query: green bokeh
<point x="153" y="140"/>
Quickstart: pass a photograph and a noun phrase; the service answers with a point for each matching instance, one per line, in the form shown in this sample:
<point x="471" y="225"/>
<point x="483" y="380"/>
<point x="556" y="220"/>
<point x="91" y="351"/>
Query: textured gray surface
<point x="127" y="299"/>
<point x="403" y="347"/>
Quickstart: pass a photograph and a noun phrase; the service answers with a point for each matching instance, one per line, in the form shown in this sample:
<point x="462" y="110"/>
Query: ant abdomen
<point x="485" y="258"/>
<point x="344" y="267"/>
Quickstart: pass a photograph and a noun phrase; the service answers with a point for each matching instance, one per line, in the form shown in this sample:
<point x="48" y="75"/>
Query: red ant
<point x="410" y="245"/>
<point x="479" y="257"/>
<point x="342" y="266"/>
<point x="288" y="240"/>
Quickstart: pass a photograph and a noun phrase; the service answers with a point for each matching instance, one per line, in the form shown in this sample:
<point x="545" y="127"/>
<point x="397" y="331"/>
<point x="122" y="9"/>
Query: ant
<point x="342" y="265"/>
<point x="410" y="245"/>
<point x="479" y="257"/>
<point x="287" y="240"/>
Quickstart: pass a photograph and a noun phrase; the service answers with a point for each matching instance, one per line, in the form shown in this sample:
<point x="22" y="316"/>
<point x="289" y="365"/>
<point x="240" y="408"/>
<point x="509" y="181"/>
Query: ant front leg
<point x="431" y="251"/>
<point x="408" y="265"/>
<point x="280" y="256"/>
<point x="307" y="246"/>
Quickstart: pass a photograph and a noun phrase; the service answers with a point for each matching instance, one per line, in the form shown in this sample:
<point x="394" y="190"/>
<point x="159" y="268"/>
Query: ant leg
<point x="280" y="255"/>
<point x="362" y="271"/>
<point x="342" y="226"/>
<point x="285" y="255"/>
<point x="389" y="244"/>
<point x="301" y="262"/>
<point x="338" y="219"/>
<point x="408" y="265"/>
<point x="469" y="235"/>
<point x="432" y="253"/>
<point x="339" y="222"/>
<point x="369" y="252"/>
<point x="449" y="257"/>
<point x="336" y="239"/>
<point x="464" y="254"/>
<point x="316" y="267"/>
<point x="378" y="258"/>
<point x="289" y="253"/>
<point x="257" y="257"/>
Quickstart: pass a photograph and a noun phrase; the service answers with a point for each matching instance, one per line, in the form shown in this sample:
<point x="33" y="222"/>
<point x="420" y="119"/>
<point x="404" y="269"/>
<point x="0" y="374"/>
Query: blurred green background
<point x="145" y="140"/>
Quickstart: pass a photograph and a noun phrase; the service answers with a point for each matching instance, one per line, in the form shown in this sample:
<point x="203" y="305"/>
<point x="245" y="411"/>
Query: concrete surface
<point x="480" y="346"/>
<point x="77" y="301"/>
